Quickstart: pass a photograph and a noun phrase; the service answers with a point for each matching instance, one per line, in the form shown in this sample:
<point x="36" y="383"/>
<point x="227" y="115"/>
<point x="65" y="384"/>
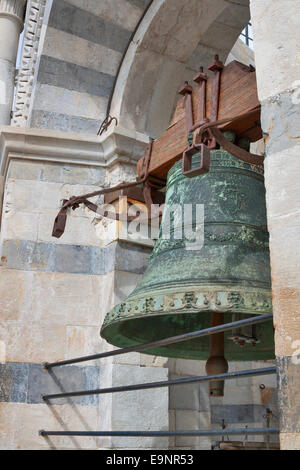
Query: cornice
<point x="42" y="145"/>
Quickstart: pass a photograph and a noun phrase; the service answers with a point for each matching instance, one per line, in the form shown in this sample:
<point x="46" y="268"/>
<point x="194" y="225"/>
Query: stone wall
<point x="276" y="45"/>
<point x="80" y="50"/>
<point x="54" y="296"/>
<point x="71" y="63"/>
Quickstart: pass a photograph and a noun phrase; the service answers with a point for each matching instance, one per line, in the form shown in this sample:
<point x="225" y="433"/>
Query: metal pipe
<point x="166" y="383"/>
<point x="161" y="433"/>
<point x="163" y="342"/>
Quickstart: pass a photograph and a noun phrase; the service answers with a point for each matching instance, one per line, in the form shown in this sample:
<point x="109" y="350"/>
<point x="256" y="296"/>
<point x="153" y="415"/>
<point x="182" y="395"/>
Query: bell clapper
<point x="216" y="363"/>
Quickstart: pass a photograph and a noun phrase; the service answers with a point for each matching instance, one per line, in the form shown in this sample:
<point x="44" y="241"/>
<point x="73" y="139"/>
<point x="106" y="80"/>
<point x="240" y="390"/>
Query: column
<point x="277" y="54"/>
<point x="11" y="25"/>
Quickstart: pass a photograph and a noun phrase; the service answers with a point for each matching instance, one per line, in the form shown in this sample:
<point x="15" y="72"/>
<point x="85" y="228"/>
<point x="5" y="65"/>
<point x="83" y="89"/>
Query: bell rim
<point x="245" y="301"/>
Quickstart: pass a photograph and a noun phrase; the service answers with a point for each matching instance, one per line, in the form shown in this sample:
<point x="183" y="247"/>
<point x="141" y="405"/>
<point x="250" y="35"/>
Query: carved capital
<point x="13" y="8"/>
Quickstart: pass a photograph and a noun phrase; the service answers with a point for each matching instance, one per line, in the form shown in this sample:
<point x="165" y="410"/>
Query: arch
<point x="173" y="40"/>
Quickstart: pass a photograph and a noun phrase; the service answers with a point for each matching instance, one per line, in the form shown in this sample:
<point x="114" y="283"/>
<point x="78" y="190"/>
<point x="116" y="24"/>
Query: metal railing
<point x="143" y="347"/>
<point x="165" y="383"/>
<point x="163" y="342"/>
<point x="246" y="431"/>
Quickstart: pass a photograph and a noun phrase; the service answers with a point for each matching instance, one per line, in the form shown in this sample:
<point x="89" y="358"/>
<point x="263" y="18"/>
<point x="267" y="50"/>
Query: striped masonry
<point x="83" y="47"/>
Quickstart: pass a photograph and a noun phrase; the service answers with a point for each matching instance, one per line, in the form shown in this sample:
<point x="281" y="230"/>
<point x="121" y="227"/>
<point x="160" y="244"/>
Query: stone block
<point x="17" y="225"/>
<point x="221" y="36"/>
<point x="20" y="425"/>
<point x="15" y="302"/>
<point x="289" y="441"/>
<point x="72" y="174"/>
<point x="102" y="260"/>
<point x="284" y="268"/>
<point x="65" y="122"/>
<point x="74" y="77"/>
<point x="63" y="379"/>
<point x="67" y="299"/>
<point x="280" y="120"/>
<point x="286" y="301"/>
<point x="136" y="410"/>
<point x="49" y="172"/>
<point x="71" y="48"/>
<point x="83" y="341"/>
<point x="142" y="4"/>
<point x="80" y="418"/>
<point x="73" y="259"/>
<point x="24" y="170"/>
<point x="276" y="34"/>
<point x="79" y="230"/>
<point x="32" y="196"/>
<point x="203" y="53"/>
<point x="107" y="300"/>
<point x="180" y="41"/>
<point x="125" y="14"/>
<point x="125" y="283"/>
<point x="122" y="171"/>
<point x="189" y="396"/>
<point x="14" y="382"/>
<point x="82" y="23"/>
<point x="236" y="366"/>
<point x="237" y="394"/>
<point x="28" y="256"/>
<point x="33" y="342"/>
<point x="130" y="257"/>
<point x="7" y="430"/>
<point x="171" y="76"/>
<point x="234" y="15"/>
<point x="187" y="420"/>
<point x="237" y="413"/>
<point x="288" y="393"/>
<point x="135" y="117"/>
<point x="189" y="367"/>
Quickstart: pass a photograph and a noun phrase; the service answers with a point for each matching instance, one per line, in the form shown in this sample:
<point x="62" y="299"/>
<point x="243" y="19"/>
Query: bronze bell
<point x="189" y="285"/>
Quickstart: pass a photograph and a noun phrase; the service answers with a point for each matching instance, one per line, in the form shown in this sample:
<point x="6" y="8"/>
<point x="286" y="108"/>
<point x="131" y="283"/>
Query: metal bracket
<point x="187" y="160"/>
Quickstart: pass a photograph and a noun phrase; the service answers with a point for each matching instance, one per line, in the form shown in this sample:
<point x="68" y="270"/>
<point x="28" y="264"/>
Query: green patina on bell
<point x="183" y="288"/>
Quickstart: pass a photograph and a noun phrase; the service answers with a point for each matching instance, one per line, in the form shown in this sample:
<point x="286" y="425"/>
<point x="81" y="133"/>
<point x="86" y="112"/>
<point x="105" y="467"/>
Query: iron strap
<point x="74" y="201"/>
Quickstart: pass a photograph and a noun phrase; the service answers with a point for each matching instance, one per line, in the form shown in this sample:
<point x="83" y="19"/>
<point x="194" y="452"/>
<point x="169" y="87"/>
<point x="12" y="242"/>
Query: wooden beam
<point x="238" y="94"/>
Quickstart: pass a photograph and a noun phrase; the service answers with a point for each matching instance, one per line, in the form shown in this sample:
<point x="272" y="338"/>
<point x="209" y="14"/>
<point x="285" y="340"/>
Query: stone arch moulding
<point x="173" y="40"/>
<point x="36" y="13"/>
